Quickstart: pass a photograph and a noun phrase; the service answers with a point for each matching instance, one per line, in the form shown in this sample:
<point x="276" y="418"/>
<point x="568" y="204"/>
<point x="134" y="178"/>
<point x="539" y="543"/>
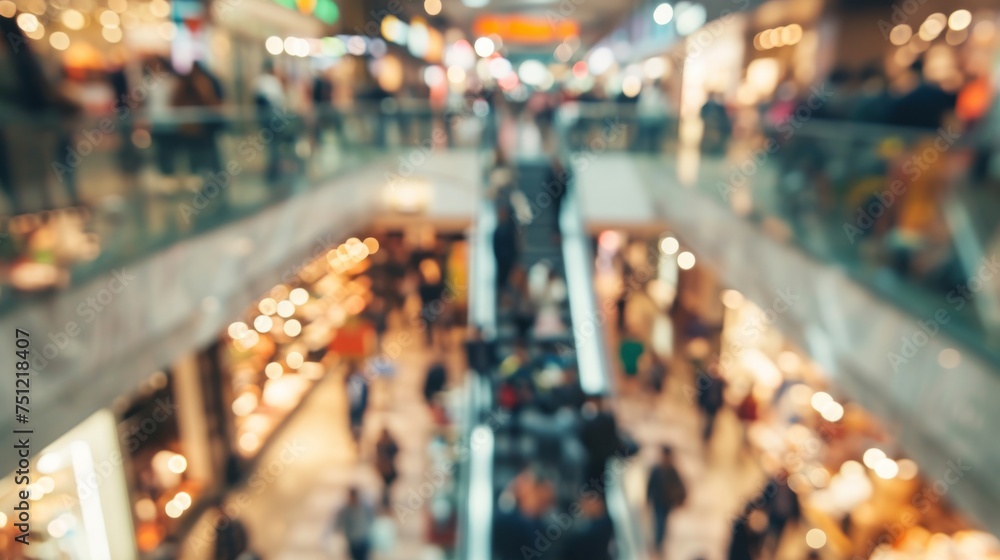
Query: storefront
<point x="170" y="463"/>
<point x="860" y="495"/>
<point x="77" y="497"/>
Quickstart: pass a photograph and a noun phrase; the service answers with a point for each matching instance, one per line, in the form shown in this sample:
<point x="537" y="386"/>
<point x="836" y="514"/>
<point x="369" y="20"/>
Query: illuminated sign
<point x="525" y="29"/>
<point x="324" y="10"/>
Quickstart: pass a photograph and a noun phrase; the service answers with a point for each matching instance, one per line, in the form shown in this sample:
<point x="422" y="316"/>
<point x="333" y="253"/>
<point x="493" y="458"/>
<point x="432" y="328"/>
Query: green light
<point x="287" y="3"/>
<point x="327" y="11"/>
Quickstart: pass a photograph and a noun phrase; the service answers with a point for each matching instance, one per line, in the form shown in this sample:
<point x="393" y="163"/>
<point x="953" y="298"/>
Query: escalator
<point x="541" y="444"/>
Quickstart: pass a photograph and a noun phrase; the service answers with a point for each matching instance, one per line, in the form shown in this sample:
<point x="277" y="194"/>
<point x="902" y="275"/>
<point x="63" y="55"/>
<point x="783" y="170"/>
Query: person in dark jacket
<point x="386" y="451"/>
<point x="599" y="435"/>
<point x="665" y="491"/>
<point x="431" y="291"/>
<point x="505" y="246"/>
<point x="710" y="399"/>
<point x="593" y="533"/>
<point x="782" y="507"/>
<point x="434" y="383"/>
<point x="230" y="538"/>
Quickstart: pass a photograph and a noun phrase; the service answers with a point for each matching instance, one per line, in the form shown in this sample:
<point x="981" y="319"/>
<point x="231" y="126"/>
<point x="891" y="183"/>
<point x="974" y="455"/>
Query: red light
<point x="580" y="69"/>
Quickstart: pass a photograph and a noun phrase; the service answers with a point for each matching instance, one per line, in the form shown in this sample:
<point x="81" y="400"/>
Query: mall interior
<point x="499" y="279"/>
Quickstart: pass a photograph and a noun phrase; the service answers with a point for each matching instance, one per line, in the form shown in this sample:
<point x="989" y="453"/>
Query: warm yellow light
<point x="887" y="469"/>
<point x="293" y="327"/>
<point x="286" y="308"/>
<point x="852" y="468"/>
<point x="238" y="330"/>
<point x="159" y="8"/>
<point x="900" y="34"/>
<point x="145" y="509"/>
<point x="57" y="528"/>
<point x="732" y="299"/>
<point x="932" y="26"/>
<point x="663" y="14"/>
<point x="263" y="323"/>
<point x="118" y="5"/>
<point x="484" y="47"/>
<point x="816" y="538"/>
<point x="686" y="260"/>
<point x="294" y="360"/>
<point x="109" y="19"/>
<point x="273" y="370"/>
<point x="59" y="41"/>
<point x="112" y="34"/>
<point x="949" y="358"/>
<point x="791" y="34"/>
<point x="669" y="245"/>
<point x="37" y="34"/>
<point x="28" y="22"/>
<point x="268" y="306"/>
<point x="173" y="510"/>
<point x="177" y="464"/>
<point x="298" y="296"/>
<point x="183" y="500"/>
<point x="249" y="442"/>
<point x="872" y="457"/>
<point x="456" y="74"/>
<point x="631" y="86"/>
<point x="245" y="404"/>
<point x="7" y="10"/>
<point x="959" y="19"/>
<point x="820" y="400"/>
<point x="907" y="469"/>
<point x="47" y="484"/>
<point x="274" y="45"/>
<point x="432" y="7"/>
<point x="833" y="412"/>
<point x="372" y="245"/>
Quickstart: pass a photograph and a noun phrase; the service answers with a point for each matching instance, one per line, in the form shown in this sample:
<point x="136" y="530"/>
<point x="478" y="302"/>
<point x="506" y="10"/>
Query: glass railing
<point x="86" y="195"/>
<point x="906" y="212"/>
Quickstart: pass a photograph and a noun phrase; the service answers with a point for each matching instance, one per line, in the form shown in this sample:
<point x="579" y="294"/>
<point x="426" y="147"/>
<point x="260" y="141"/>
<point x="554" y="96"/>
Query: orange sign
<point x="526" y="29"/>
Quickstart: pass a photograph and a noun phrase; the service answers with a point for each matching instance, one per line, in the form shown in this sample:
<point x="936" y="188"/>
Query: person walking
<point x="592" y="535"/>
<point x="355" y="521"/>
<point x="357" y="395"/>
<point x="434" y="383"/>
<point x="386" y="451"/>
<point x="230" y="538"/>
<point x="665" y="492"/>
<point x="781" y="508"/>
<point x="599" y="435"/>
<point x="505" y="245"/>
<point x="710" y="399"/>
<point x="431" y="290"/>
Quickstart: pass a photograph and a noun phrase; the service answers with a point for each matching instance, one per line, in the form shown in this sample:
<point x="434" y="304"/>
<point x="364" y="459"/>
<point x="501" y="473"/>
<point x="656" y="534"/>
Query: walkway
<point x="719" y="479"/>
<point x="290" y="515"/>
